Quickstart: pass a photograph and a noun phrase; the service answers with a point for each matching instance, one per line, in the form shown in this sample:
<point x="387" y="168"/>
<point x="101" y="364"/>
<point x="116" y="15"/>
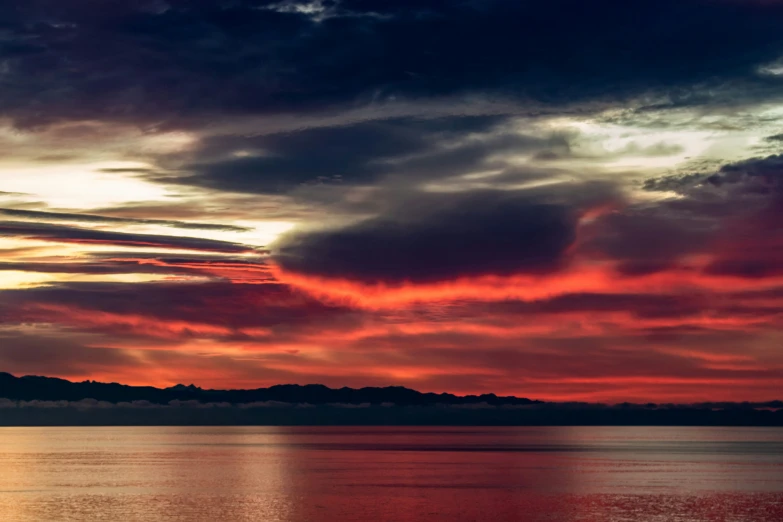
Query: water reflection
<point x="391" y="474"/>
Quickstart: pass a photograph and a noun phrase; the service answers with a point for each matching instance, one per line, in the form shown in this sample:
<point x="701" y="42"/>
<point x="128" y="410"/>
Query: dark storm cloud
<point x="756" y="188"/>
<point x="92" y="218"/>
<point x="755" y="184"/>
<point x="650" y="239"/>
<point x="731" y="178"/>
<point x="438" y="238"/>
<point x="155" y="62"/>
<point x="733" y="214"/>
<point x="68" y="234"/>
<point x="418" y="149"/>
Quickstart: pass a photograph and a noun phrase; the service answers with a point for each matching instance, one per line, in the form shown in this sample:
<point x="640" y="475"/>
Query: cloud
<point x="63" y="355"/>
<point x="115" y="357"/>
<point x="171" y="309"/>
<point x="356" y="153"/>
<point x="717" y="234"/>
<point x="70" y="234"/>
<point x="572" y="345"/>
<point x="226" y="207"/>
<point x="438" y="238"/>
<point x="727" y="217"/>
<point x="38" y="215"/>
<point x="121" y="263"/>
<point x="192" y="60"/>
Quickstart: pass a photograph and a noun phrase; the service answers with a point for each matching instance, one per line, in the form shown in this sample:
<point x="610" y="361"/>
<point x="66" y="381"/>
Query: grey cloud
<point x="732" y="213"/>
<point x="440" y="237"/>
<point x="69" y="234"/>
<point x="416" y="149"/>
<point x="93" y="218"/>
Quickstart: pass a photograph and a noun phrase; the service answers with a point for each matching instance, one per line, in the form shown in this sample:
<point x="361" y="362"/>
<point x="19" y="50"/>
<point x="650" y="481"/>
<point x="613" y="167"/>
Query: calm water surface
<point x="391" y="474"/>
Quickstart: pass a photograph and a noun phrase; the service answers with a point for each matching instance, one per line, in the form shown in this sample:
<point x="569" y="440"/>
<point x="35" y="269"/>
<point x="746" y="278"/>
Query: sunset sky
<point x="556" y="199"/>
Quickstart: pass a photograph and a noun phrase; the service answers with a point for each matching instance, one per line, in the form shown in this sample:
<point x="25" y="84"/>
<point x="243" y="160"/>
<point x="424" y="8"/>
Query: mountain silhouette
<point x="46" y="401"/>
<point x="29" y="388"/>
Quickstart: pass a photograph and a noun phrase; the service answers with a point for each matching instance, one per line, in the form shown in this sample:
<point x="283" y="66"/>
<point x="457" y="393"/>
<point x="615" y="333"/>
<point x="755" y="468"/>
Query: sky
<point x="571" y="200"/>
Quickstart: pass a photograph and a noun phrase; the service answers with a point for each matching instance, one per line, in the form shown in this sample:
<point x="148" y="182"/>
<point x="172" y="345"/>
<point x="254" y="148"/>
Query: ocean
<point x="319" y="474"/>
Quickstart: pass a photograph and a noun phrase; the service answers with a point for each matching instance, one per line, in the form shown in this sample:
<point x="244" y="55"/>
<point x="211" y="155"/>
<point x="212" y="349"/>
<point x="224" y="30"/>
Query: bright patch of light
<point x="86" y="142"/>
<point x="10" y="279"/>
<point x="772" y="70"/>
<point x="266" y="232"/>
<point x="623" y="146"/>
<point x="13" y="279"/>
<point x="466" y="184"/>
<point x="167" y="142"/>
<point x="80" y="186"/>
<point x="260" y="233"/>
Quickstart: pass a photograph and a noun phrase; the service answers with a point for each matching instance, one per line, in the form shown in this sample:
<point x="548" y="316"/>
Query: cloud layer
<point x="176" y="60"/>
